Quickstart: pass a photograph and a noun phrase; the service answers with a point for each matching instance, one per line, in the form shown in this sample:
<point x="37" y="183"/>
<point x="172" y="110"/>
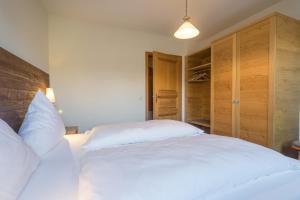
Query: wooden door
<point x="167" y="72"/>
<point x="223" y="112"/>
<point x="253" y="77"/>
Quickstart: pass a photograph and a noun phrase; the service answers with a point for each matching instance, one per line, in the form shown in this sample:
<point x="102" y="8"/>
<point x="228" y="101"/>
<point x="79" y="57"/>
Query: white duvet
<point x="182" y="168"/>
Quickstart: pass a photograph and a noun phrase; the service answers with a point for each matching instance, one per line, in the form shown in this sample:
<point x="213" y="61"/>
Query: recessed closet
<point x="197" y="101"/>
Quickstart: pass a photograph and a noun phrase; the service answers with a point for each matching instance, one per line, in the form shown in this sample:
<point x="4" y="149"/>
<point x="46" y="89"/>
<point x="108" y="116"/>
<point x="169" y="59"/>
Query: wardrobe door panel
<point x="223" y="79"/>
<point x="253" y="75"/>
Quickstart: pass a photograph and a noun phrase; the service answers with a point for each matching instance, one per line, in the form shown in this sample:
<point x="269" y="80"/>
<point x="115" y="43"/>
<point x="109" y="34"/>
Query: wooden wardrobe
<point x="256" y="83"/>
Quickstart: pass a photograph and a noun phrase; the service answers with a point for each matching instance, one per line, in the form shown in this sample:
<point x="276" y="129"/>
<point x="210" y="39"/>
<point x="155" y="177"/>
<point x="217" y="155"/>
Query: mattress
<point x="57" y="178"/>
<point x="57" y="175"/>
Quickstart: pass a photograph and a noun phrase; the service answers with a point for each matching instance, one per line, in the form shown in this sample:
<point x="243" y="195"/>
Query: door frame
<point x="147" y="54"/>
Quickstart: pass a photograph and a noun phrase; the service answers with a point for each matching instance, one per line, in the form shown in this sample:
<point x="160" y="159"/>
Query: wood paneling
<point x="253" y="64"/>
<point x="167" y="80"/>
<point x="287" y="105"/>
<point x="267" y="83"/>
<point x="223" y="75"/>
<point x="19" y="81"/>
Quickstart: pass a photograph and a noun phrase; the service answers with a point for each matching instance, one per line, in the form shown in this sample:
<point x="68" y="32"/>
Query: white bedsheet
<point x="282" y="186"/>
<point x="57" y="176"/>
<point x="57" y="179"/>
<point x="187" y="168"/>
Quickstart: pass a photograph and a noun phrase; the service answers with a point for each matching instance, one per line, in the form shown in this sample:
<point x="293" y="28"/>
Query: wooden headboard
<point x="19" y="81"/>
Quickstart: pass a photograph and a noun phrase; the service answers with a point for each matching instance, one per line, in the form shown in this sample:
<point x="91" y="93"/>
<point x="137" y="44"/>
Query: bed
<point x="162" y="165"/>
<point x="59" y="174"/>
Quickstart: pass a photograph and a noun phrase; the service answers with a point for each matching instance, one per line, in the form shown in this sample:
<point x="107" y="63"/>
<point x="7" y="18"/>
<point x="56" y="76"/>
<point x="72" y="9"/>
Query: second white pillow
<point x="42" y="128"/>
<point x="123" y="134"/>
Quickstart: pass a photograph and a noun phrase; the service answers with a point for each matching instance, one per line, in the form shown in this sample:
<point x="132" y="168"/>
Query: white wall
<point x="287" y="7"/>
<point x="98" y="73"/>
<point x="24" y="30"/>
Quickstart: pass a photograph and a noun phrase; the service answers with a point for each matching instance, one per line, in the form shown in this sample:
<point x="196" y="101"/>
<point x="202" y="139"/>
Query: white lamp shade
<point x="50" y="95"/>
<point x="186" y="31"/>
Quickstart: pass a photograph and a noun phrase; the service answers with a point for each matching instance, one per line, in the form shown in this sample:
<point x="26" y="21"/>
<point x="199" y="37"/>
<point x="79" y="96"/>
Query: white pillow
<point x="17" y="163"/>
<point x="122" y="134"/>
<point x="42" y="128"/>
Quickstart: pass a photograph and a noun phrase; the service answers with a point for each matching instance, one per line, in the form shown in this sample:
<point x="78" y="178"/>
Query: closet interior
<point x="198" y="76"/>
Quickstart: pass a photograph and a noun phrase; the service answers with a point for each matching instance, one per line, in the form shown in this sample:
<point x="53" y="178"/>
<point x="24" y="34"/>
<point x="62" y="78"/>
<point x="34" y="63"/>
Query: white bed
<point x="57" y="176"/>
<point x="188" y="168"/>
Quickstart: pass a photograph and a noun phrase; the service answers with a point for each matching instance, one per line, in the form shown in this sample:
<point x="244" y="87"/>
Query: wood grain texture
<point x="223" y="66"/>
<point x="253" y="64"/>
<point x="267" y="82"/>
<point x="287" y="102"/>
<point x="167" y="76"/>
<point x="19" y="81"/>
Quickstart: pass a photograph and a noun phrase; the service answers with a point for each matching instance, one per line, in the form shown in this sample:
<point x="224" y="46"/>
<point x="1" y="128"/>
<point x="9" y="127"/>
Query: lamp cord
<point x="186" y="7"/>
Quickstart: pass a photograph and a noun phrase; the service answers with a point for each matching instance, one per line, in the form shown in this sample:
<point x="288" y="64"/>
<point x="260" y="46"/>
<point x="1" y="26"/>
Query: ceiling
<point x="159" y="16"/>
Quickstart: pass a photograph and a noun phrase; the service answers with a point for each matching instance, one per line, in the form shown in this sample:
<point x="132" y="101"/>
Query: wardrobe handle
<point x="235" y="101"/>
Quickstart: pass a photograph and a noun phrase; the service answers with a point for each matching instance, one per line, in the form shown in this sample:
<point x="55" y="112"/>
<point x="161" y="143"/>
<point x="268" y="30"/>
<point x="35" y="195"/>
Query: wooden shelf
<point x="198" y="81"/>
<point x="200" y="122"/>
<point x="201" y="67"/>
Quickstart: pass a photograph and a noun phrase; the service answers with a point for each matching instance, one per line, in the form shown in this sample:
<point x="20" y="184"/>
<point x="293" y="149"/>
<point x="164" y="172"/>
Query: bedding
<point x="17" y="163"/>
<point x="280" y="186"/>
<point x="57" y="176"/>
<point x="128" y="133"/>
<point x="42" y="127"/>
<point x="182" y="168"/>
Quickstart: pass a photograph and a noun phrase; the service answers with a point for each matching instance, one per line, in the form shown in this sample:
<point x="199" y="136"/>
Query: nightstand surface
<point x="71" y="130"/>
<point x="296" y="146"/>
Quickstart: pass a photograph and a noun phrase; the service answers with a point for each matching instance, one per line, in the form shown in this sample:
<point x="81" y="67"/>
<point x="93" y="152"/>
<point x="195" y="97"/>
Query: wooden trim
<point x="238" y="89"/>
<point x="147" y="54"/>
<point x="277" y="14"/>
<point x="235" y="88"/>
<point x="272" y="79"/>
<point x="212" y="93"/>
<point x="180" y="88"/>
<point x="186" y="91"/>
<point x="196" y="52"/>
<point x="273" y="14"/>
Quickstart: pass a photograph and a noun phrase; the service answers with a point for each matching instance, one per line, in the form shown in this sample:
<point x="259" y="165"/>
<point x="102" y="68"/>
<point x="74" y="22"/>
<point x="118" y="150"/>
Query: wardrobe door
<point x="223" y="86"/>
<point x="253" y="74"/>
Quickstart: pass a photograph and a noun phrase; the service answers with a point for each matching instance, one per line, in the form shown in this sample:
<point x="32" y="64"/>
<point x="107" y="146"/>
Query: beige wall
<point x="287" y="7"/>
<point x="98" y="72"/>
<point x="24" y="30"/>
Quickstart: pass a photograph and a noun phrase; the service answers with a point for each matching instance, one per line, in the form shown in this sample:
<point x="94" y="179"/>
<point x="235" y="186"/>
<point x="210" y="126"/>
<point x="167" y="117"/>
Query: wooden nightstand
<point x="71" y="130"/>
<point x="296" y="146"/>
